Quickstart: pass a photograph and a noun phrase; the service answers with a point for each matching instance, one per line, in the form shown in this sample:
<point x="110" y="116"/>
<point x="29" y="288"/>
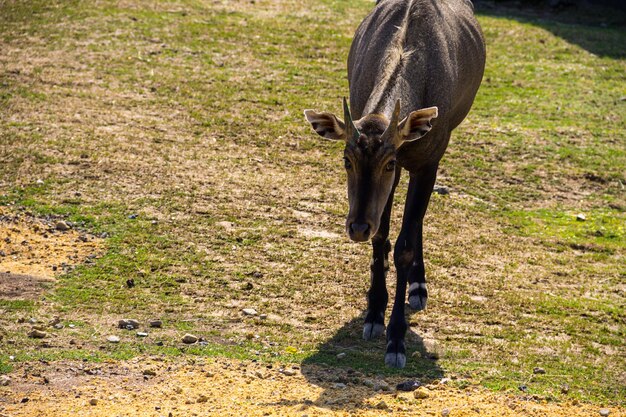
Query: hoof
<point x="395" y="360"/>
<point x="418" y="296"/>
<point x="373" y="330"/>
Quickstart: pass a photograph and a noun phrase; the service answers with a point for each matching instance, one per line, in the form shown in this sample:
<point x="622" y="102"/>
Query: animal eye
<point x="347" y="163"/>
<point x="391" y="165"/>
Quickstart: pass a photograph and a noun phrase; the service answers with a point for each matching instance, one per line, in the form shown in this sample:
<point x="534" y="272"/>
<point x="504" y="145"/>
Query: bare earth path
<point x="233" y="388"/>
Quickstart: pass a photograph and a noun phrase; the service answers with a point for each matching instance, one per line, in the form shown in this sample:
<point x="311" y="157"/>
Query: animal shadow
<point x="348" y="369"/>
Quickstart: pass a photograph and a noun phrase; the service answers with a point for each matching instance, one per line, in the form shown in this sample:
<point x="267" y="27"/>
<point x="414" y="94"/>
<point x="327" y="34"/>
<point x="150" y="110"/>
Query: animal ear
<point x="326" y="125"/>
<point x="416" y="124"/>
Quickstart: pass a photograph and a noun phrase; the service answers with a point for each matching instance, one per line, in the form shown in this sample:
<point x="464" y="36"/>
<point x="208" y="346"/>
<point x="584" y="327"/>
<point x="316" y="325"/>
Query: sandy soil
<point x="225" y="387"/>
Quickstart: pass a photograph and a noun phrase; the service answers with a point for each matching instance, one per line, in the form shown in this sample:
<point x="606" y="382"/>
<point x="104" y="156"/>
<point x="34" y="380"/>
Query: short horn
<point x="352" y="133"/>
<point x="390" y="132"/>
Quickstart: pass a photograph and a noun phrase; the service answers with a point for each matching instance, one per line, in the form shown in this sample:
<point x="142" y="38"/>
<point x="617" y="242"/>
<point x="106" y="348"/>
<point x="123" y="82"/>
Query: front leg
<point x="408" y="254"/>
<point x="377" y="295"/>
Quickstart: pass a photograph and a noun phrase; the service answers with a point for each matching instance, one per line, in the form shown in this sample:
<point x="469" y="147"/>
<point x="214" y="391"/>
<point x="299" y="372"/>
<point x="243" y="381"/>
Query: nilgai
<point x="414" y="69"/>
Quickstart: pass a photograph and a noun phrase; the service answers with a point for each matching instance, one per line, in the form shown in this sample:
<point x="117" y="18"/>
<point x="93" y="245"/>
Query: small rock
<point x="149" y="372"/>
<point x="564" y="389"/>
<point x="62" y="226"/>
<point x="408" y="386"/>
<point x="93" y="401"/>
<point x="59" y="326"/>
<point x="225" y="225"/>
<point x="382" y="405"/>
<point x="421" y="393"/>
<point x="339" y="385"/>
<point x="156" y="323"/>
<point x="202" y="398"/>
<point x="341" y="355"/>
<point x="581" y="217"/>
<point x="71" y="326"/>
<point x="129" y="324"/>
<point x="523" y="388"/>
<point x="289" y="372"/>
<point x="37" y="334"/>
<point x="441" y="190"/>
<point x="189" y="339"/>
<point x="604" y="412"/>
<point x="259" y="374"/>
<point x="142" y="334"/>
<point x="445" y="412"/>
<point x="377" y="385"/>
<point x="538" y="370"/>
<point x="32" y="320"/>
<point x="130" y="283"/>
<point x="113" y="339"/>
<point x="133" y="216"/>
<point x="4" y="380"/>
<point x="249" y="311"/>
<point x="209" y="374"/>
<point x="263" y="316"/>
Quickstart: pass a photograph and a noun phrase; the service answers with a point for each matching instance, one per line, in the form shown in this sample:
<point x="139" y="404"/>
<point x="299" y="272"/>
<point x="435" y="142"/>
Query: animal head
<point x="372" y="143"/>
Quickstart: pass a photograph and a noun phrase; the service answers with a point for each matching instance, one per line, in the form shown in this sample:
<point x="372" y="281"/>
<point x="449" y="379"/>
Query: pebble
<point x="4" y="380"/>
<point x="249" y="311"/>
<point x="564" y="389"/>
<point x="37" y="334"/>
<point x="382" y="405"/>
<point x="156" y="323"/>
<point x="377" y="385"/>
<point x="142" y="334"/>
<point x="128" y="324"/>
<point x="581" y="217"/>
<point x="149" y="372"/>
<point x="339" y="385"/>
<point x="93" y="401"/>
<point x="263" y="316"/>
<point x="32" y="320"/>
<point x="189" y="339"/>
<point x="421" y="393"/>
<point x="538" y="370"/>
<point x="441" y="190"/>
<point x="341" y="355"/>
<point x="62" y="226"/>
<point x="113" y="339"/>
<point x="289" y="372"/>
<point x="445" y="412"/>
<point x="259" y="374"/>
<point x="604" y="412"/>
<point x="408" y="386"/>
<point x="202" y="398"/>
<point x="59" y="326"/>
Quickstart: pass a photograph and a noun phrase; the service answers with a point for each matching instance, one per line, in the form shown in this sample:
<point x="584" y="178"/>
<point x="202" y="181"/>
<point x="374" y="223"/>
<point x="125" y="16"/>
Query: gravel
<point x="113" y="339"/>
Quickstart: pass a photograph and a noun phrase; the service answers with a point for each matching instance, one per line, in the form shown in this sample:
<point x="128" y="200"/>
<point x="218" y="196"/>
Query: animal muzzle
<point x="359" y="232"/>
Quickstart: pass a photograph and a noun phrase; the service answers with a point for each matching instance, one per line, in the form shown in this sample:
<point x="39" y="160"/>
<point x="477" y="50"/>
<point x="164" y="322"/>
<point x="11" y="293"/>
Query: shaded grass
<point x="188" y="115"/>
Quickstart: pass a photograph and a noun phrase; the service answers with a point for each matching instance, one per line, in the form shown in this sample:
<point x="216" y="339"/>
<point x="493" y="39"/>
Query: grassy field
<point x="188" y="114"/>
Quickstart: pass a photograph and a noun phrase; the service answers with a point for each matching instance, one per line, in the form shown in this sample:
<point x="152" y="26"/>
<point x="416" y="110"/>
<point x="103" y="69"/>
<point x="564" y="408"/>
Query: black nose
<point x="359" y="231"/>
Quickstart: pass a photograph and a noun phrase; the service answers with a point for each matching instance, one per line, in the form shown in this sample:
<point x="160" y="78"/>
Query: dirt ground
<point x="156" y="386"/>
<point x="224" y="387"/>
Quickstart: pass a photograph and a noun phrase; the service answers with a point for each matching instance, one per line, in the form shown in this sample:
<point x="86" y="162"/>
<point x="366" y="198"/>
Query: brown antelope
<point x="414" y="69"/>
